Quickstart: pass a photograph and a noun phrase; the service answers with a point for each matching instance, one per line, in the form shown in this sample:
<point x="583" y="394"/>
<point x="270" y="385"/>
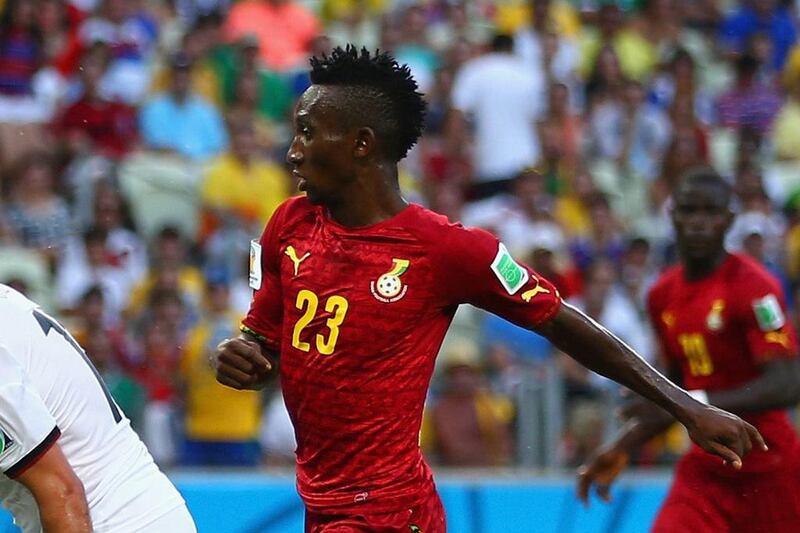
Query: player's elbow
<point x="64" y="506"/>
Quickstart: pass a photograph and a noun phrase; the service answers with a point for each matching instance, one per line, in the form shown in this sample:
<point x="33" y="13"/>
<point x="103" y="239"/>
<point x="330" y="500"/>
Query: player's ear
<point x="365" y="142"/>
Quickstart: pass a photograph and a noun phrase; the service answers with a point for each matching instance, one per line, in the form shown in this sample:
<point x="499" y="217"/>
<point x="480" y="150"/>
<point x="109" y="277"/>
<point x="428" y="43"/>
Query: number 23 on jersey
<point x="308" y="302"/>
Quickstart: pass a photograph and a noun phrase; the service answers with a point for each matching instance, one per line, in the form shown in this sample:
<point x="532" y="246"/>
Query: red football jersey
<point x="358" y="316"/>
<point x="718" y="329"/>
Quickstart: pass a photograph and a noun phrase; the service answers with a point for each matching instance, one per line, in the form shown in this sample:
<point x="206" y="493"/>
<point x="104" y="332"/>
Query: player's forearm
<point x="636" y="433"/>
<point x="68" y="515"/>
<point x="62" y="506"/>
<point x="596" y="348"/>
<point x="778" y="387"/>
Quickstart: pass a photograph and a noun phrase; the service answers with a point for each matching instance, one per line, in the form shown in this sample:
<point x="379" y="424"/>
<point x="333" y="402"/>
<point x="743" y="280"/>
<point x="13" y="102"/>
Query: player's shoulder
<point x="743" y="269"/>
<point x="664" y="284"/>
<point x="435" y="229"/>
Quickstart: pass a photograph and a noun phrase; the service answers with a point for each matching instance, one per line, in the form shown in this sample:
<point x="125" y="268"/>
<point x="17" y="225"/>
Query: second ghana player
<point x="721" y="319"/>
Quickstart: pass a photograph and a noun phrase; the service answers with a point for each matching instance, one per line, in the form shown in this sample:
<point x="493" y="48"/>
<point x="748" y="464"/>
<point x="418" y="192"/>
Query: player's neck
<point x="368" y="201"/>
<point x="695" y="269"/>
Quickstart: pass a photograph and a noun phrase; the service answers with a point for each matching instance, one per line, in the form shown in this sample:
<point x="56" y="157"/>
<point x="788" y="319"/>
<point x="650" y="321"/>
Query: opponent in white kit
<point x="68" y="456"/>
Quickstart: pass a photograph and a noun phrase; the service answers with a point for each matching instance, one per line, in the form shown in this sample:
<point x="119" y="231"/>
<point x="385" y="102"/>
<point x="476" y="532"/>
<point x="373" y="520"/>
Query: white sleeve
<point x="27" y="428"/>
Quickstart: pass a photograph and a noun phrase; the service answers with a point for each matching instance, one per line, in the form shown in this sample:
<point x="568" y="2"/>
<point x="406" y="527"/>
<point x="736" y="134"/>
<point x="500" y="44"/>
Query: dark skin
<point x="346" y="169"/>
<point x="701" y="218"/>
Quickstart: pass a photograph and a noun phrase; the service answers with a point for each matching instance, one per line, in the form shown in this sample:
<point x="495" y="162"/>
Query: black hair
<point x="380" y="92"/>
<point x="94" y="291"/>
<point x="95" y="234"/>
<point x="502" y="42"/>
<point x="706" y="177"/>
<point x="169" y="232"/>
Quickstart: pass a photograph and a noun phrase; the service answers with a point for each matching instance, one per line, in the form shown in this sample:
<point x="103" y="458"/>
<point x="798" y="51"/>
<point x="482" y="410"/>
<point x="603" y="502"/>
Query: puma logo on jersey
<point x="292" y="253"/>
<point x="531" y="294"/>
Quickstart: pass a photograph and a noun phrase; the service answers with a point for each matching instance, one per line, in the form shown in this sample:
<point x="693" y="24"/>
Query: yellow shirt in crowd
<point x="253" y="191"/>
<point x="215" y="412"/>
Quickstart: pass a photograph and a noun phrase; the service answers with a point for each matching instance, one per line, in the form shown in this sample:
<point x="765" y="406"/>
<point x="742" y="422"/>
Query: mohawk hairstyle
<point x="379" y="90"/>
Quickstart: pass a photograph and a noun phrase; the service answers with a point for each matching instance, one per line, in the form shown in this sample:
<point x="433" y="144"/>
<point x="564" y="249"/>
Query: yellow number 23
<point x="308" y="302"/>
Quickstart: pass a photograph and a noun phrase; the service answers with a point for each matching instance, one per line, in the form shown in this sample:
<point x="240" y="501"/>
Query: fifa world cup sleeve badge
<point x="389" y="287"/>
<point x="255" y="265"/>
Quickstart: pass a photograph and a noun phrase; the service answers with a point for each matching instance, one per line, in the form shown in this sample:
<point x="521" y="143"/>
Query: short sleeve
<point x="768" y="330"/>
<point x="27" y="428"/>
<point x="476" y="268"/>
<point x="264" y="319"/>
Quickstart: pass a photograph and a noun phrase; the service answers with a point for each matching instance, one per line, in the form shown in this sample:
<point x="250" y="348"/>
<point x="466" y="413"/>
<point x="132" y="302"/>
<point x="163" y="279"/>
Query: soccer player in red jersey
<point x="355" y="289"/>
<point x="724" y="333"/>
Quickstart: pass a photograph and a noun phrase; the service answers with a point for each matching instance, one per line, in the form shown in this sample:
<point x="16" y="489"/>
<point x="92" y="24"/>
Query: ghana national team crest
<point x="389" y="287"/>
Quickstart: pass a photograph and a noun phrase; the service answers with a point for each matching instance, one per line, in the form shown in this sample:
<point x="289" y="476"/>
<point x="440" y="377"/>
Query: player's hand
<point x="723" y="434"/>
<point x="239" y="363"/>
<point x="601" y="471"/>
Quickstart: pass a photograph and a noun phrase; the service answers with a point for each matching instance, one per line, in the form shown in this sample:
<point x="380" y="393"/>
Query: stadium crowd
<point x="142" y="146"/>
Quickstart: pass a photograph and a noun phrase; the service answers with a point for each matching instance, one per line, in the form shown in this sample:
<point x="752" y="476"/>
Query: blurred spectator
<point x="753" y="17"/>
<point x="169" y="270"/>
<point x="180" y="120"/>
<point x="159" y="356"/>
<point x="605" y="82"/>
<point x="199" y="45"/>
<point x="249" y="87"/>
<point x="284" y="28"/>
<point x="77" y="273"/>
<point x="561" y="130"/>
<point x="542" y="45"/>
<point x="630" y="133"/>
<point x="469" y="426"/>
<point x="638" y="272"/>
<point x="94" y="123"/>
<point x="678" y="85"/>
<point x="89" y="317"/>
<point x="131" y="35"/>
<point x="749" y="103"/>
<point x="221" y="424"/>
<point x="21" y="48"/>
<point x="353" y="21"/>
<point x="240" y="191"/>
<point x="124" y="249"/>
<point x="636" y="55"/>
<point x="786" y="129"/>
<point x="504" y="99"/>
<point x="414" y="47"/>
<point x="36" y="215"/>
<point x="107" y="348"/>
<point x="602" y="241"/>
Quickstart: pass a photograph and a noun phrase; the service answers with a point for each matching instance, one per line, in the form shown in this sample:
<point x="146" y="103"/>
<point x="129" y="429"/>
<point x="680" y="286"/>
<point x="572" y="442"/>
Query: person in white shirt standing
<point x="504" y="96"/>
<point x="69" y="459"/>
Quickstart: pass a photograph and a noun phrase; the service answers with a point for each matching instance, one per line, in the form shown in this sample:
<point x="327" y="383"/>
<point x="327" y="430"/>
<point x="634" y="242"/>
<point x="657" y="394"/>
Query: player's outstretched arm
<point x="593" y="346"/>
<point x="242" y="363"/>
<point x="777" y="387"/>
<point x="58" y="493"/>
